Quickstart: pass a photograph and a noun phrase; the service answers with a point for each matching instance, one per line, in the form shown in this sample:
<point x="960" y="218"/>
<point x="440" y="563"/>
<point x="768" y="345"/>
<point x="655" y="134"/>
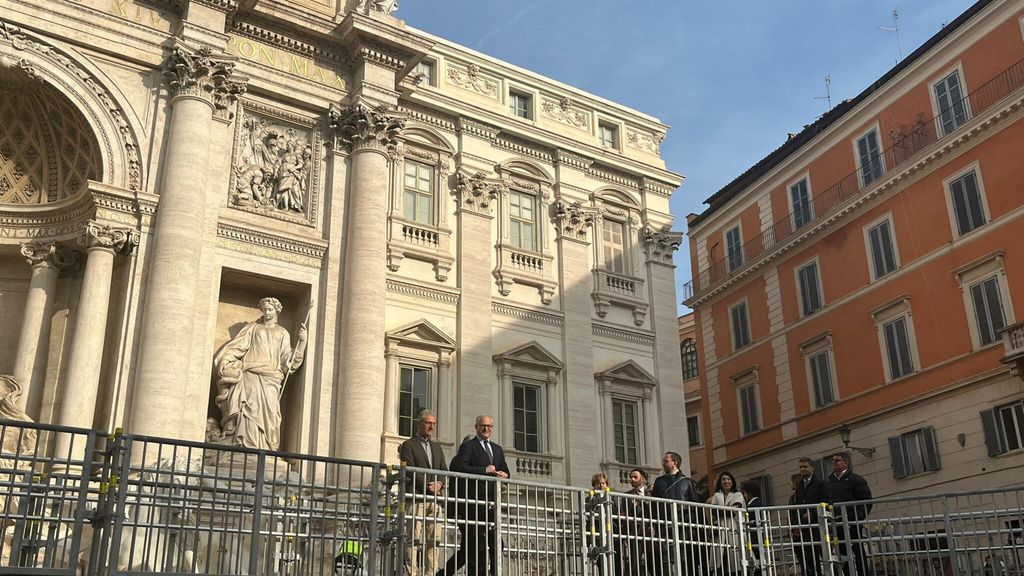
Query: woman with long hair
<point x="727" y="493"/>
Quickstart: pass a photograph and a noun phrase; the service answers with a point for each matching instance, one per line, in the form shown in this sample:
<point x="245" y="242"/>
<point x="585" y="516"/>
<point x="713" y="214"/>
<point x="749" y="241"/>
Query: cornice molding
<point x="549" y="318"/>
<point x="623" y="334"/>
<point x="284" y="244"/>
<point x="423" y="292"/>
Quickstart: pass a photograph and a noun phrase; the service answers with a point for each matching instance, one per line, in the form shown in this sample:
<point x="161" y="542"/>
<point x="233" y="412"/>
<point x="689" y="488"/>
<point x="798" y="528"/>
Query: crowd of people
<point x="642" y="521"/>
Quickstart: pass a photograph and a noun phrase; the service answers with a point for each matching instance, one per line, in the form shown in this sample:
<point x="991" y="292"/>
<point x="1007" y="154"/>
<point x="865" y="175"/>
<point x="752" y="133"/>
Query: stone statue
<point x="14" y="441"/>
<point x="251" y="370"/>
<point x="385" y="6"/>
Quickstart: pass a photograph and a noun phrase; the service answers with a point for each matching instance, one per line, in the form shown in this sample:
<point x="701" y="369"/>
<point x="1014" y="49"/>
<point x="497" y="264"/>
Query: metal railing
<point x="905" y="142"/>
<point x="78" y="502"/>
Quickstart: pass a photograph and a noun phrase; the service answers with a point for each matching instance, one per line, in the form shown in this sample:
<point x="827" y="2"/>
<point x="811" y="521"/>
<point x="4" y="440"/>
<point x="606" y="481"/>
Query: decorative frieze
<point x="272" y="245"/>
<point x="117" y="240"/>
<point x="613" y="177"/>
<point x="470" y="78"/>
<point x="430" y="117"/>
<point x="562" y="110"/>
<point x="274" y="170"/>
<point x="361" y="126"/>
<point x="476" y="192"/>
<point x="644" y="141"/>
<point x="523" y="147"/>
<point x="521" y="313"/>
<point x="478" y="129"/>
<point x="661" y="243"/>
<point x="200" y="74"/>
<point x="572" y="219"/>
<point x="572" y="160"/>
<point x="657" y="188"/>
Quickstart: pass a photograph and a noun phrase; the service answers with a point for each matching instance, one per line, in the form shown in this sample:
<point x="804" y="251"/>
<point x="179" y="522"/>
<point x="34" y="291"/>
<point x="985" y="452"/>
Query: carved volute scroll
<point x="360" y="126"/>
<point x="117" y="240"/>
<point x="661" y="243"/>
<point x="476" y="192"/>
<point x="572" y="219"/>
<point x="201" y="74"/>
<point x="48" y="254"/>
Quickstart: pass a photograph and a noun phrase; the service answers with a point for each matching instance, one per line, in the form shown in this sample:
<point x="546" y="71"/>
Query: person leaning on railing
<point x="420" y="451"/>
<point x="674" y="485"/>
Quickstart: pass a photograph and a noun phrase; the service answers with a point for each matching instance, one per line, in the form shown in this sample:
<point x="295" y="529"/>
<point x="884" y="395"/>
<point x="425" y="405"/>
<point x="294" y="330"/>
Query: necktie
<point x="430" y="457"/>
<point x="490" y="455"/>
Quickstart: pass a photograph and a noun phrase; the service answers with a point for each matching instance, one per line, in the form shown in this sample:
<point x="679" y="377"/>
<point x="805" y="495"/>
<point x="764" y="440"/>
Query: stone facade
<point x="164" y="165"/>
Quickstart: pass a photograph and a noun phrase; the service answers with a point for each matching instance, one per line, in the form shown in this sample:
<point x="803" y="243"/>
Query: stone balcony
<point x="1013" y="343"/>
<point x="618" y="289"/>
<point x="432" y="244"/>
<point x="534" y="466"/>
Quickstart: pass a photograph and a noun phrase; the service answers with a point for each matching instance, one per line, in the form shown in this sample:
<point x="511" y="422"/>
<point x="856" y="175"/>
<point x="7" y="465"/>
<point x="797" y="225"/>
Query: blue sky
<point x="730" y="78"/>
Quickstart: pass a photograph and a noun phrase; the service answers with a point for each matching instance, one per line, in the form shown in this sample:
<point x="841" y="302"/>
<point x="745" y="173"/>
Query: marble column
<point x="392" y="389"/>
<point x="199" y="83"/>
<point x="573" y="222"/>
<point x="660" y="244"/>
<point x="82" y="380"/>
<point x="371" y="135"/>
<point x="46" y="260"/>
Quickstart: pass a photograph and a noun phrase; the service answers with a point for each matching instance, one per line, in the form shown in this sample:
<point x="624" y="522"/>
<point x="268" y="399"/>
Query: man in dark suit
<point x="845" y="487"/>
<point x="810" y="491"/>
<point x="420" y="451"/>
<point x="479" y="456"/>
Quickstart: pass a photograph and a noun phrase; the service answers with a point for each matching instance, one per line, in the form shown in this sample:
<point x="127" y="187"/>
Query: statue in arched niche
<point x="251" y="370"/>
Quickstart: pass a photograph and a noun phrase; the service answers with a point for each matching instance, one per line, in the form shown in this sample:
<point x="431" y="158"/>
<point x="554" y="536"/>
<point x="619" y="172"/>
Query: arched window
<point x="688" y="350"/>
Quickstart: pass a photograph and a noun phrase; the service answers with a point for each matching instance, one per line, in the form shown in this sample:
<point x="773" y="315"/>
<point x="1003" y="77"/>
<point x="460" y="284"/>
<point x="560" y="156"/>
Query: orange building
<point x="866" y="277"/>
<point x="692" y="395"/>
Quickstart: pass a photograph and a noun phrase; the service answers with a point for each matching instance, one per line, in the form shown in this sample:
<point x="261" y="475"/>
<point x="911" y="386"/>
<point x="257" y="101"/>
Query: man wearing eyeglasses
<point x="421" y="451"/>
<point x="479" y="456"/>
<point x="845" y="486"/>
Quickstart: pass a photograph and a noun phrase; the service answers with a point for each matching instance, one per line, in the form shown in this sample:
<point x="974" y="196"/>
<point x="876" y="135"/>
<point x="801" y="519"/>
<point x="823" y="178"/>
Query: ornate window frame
<point x="624" y="289"/>
<point x="809" y="349"/>
<point x="516" y="265"/>
<point x="533" y="365"/>
<point x="630" y="382"/>
<point x="988" y="267"/>
<point x="417" y="240"/>
<point x="748" y="379"/>
<point x="892" y="310"/>
<point x="420" y="343"/>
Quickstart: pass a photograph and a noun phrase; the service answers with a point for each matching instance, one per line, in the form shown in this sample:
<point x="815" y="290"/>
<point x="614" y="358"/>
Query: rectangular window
<point x="914" y="452"/>
<point x="765" y="482"/>
<point x="966" y="200"/>
<point x="414" y="396"/>
<point x="418" y="202"/>
<point x="526" y="417"/>
<point x="424" y="70"/>
<point x="613" y="247"/>
<point x="624" y="422"/>
<point x="609" y="135"/>
<point x="897" y="348"/>
<point x="820" y="367"/>
<point x="870" y="158"/>
<point x="988" y="310"/>
<point x="883" y="253"/>
<point x="952" y="105"/>
<point x="734" y="248"/>
<point x="810" y="290"/>
<point x="693" y="430"/>
<point x="1004" y="428"/>
<point x="749" y="413"/>
<point x="522" y="221"/>
<point x="801" y="201"/>
<point x="519" y="103"/>
<point x="740" y="325"/>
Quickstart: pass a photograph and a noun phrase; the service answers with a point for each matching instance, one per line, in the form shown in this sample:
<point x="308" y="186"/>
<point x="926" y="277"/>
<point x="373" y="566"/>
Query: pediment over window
<point x="421" y="334"/>
<point x="524" y="168"/>
<point x="532" y="354"/>
<point x="628" y="372"/>
<point x="428" y="137"/>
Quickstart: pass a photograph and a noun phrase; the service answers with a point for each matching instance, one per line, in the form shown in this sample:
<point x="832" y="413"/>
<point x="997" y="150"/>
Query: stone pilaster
<point x="46" y="260"/>
<point x="574" y="222"/>
<point x="660" y="245"/>
<point x="475" y="195"/>
<point x="200" y="83"/>
<point x="82" y="380"/>
<point x="371" y="135"/>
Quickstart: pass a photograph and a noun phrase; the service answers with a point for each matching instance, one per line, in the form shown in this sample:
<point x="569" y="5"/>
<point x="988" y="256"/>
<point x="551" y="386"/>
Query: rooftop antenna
<point x="895" y="28"/>
<point x="828" y="91"/>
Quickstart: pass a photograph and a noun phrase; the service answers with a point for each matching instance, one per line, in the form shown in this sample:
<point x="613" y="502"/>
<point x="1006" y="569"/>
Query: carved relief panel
<point x="276" y="164"/>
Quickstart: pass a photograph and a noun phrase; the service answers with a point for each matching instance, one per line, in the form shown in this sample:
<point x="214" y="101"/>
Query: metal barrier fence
<point x="78" y="502"/>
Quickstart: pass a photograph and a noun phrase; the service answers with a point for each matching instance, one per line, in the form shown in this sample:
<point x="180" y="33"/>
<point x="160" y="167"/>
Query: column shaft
<point x="392" y="391"/>
<point x="167" y="325"/>
<point x="361" y="358"/>
<point x="33" y="342"/>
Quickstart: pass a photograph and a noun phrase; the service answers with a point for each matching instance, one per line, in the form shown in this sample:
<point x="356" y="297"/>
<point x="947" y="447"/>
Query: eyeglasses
<point x="485" y="425"/>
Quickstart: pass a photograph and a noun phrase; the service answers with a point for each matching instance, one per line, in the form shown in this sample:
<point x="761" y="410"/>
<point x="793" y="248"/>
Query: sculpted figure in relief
<point x="274" y="166"/>
<point x="251" y="370"/>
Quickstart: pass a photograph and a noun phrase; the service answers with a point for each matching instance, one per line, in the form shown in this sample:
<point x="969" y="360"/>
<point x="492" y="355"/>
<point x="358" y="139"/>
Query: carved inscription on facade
<point x="283" y="60"/>
<point x="138" y="13"/>
<point x="274" y="168"/>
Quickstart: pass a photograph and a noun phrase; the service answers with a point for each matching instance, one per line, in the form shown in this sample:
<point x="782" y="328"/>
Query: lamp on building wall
<point x="844" y="435"/>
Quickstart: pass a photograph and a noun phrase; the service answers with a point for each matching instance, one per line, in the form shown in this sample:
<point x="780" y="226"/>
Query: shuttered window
<point x="821" y="379"/>
<point x="734" y="247"/>
<point x="749" y="410"/>
<point x="988" y="310"/>
<point x="740" y="325"/>
<point x="966" y="199"/>
<point x="870" y="158"/>
<point x="914" y="452"/>
<point x="801" y="200"/>
<point x="883" y="252"/>
<point x="1003" y="427"/>
<point x="952" y="107"/>
<point x="810" y="290"/>
<point x="897" y="348"/>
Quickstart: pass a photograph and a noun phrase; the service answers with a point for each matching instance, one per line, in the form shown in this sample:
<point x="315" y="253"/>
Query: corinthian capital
<point x="47" y="254"/>
<point x="476" y="192"/>
<point x="661" y="243"/>
<point x="118" y="240"/>
<point x="199" y="73"/>
<point x="572" y="219"/>
<point x="359" y="126"/>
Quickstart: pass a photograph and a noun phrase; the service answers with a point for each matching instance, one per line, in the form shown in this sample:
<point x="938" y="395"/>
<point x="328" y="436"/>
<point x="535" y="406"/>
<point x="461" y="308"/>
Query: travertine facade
<point x="463" y="234"/>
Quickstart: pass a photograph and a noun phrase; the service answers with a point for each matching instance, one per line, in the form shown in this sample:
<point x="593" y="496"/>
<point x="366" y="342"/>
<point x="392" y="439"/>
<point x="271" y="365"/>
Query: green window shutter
<point x="931" y="449"/>
<point x="899" y="468"/>
<point x="988" y="426"/>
